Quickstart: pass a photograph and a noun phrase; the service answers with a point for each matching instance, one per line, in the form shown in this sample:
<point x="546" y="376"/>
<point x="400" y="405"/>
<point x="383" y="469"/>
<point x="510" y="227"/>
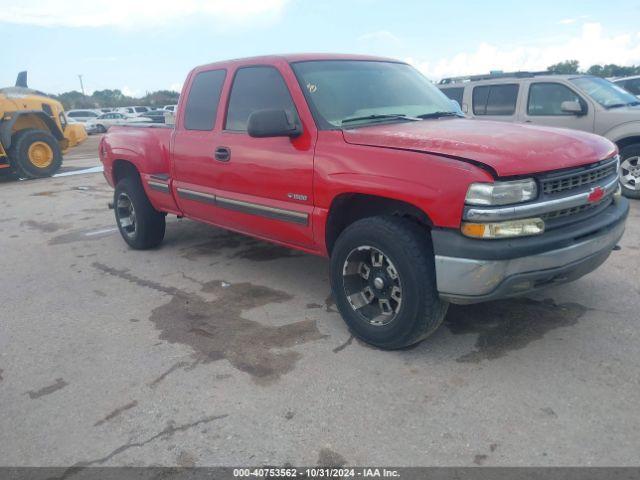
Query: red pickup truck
<point x="363" y="160"/>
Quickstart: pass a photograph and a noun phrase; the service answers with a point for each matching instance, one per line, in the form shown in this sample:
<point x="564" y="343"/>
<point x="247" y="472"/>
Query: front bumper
<point x="487" y="270"/>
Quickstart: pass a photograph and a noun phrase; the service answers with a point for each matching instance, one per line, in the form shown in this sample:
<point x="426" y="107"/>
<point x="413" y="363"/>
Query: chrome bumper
<point x="464" y="280"/>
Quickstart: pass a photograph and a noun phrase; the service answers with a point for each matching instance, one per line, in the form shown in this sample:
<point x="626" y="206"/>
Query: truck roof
<point x="297" y="57"/>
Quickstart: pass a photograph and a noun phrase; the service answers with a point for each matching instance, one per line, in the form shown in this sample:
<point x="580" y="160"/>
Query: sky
<point x="139" y="46"/>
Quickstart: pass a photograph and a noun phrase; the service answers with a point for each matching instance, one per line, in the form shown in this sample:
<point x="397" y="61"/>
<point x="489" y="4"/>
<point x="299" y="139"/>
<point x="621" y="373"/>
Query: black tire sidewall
<point x="150" y="224"/>
<point x="417" y="275"/>
<point x="630" y="151"/>
<point x="19" y="153"/>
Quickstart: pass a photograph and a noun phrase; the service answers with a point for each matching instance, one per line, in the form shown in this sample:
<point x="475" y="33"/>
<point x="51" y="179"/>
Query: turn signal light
<point x="513" y="228"/>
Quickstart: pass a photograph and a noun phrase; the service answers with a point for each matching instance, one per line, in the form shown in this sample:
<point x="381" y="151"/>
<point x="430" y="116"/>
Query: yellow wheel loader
<point x="34" y="132"/>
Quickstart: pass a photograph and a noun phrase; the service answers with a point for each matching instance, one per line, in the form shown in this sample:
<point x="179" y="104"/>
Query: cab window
<point x="256" y="88"/>
<point x="546" y="99"/>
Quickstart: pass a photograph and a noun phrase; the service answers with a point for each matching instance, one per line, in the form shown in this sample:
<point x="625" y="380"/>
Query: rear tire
<point x="630" y="170"/>
<point x="383" y="280"/>
<point x="140" y="225"/>
<point x="34" y="154"/>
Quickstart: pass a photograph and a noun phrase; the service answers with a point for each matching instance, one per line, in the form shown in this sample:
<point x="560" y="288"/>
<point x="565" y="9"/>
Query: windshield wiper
<point x="617" y="105"/>
<point x="400" y="116"/>
<point x="439" y="114"/>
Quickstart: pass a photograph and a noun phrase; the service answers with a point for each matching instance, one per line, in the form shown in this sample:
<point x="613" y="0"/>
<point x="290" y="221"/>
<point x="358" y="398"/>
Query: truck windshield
<point x="604" y="92"/>
<point x="354" y="93"/>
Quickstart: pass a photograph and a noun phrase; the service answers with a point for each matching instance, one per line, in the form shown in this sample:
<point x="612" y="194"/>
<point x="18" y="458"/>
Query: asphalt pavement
<point x="217" y="349"/>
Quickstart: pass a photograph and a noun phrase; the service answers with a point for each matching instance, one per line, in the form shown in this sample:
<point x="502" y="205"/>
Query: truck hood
<point x="507" y="148"/>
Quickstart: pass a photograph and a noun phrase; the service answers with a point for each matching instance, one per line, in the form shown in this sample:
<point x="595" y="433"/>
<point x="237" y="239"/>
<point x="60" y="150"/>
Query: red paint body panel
<point x="508" y="148"/>
<point x="428" y="164"/>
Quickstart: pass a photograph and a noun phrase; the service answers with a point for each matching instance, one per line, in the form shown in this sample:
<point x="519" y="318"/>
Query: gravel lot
<point x="217" y="349"/>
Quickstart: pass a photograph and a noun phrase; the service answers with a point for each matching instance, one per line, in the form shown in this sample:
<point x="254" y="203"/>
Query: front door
<point x="264" y="186"/>
<point x="544" y="107"/>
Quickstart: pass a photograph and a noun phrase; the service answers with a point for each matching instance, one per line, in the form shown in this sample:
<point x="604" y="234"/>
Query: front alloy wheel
<point x="372" y="285"/>
<point x="384" y="282"/>
<point x="630" y="173"/>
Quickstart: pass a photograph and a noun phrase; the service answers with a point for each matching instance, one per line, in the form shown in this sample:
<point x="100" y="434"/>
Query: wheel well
<point x="123" y="169"/>
<point x="350" y="207"/>
<point x="625" y="142"/>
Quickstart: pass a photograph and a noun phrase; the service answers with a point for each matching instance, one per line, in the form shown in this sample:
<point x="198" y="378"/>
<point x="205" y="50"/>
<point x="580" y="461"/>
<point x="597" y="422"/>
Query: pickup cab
<point x="363" y="160"/>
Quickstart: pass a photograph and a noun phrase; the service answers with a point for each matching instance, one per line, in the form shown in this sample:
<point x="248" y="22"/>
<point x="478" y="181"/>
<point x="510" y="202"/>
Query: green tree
<point x="565" y="68"/>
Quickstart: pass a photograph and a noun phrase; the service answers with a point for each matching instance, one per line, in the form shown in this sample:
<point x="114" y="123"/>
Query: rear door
<point x="194" y="168"/>
<point x="543" y="106"/>
<point x="495" y="101"/>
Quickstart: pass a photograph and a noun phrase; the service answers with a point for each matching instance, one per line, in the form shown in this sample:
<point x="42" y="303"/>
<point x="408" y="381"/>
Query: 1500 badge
<point x="297" y="196"/>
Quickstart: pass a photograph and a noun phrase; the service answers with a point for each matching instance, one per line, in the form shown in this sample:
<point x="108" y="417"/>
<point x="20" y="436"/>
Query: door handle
<point x="223" y="154"/>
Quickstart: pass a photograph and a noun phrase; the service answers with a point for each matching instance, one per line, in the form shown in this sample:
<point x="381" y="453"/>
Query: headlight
<point x="501" y="193"/>
<point x="508" y="229"/>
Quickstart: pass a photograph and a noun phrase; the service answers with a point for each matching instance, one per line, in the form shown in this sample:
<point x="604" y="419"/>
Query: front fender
<point x="623" y="130"/>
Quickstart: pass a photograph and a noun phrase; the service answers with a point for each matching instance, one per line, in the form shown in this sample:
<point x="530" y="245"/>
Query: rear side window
<point x="495" y="99"/>
<point x="202" y="103"/>
<point x="47" y="109"/>
<point x="547" y="98"/>
<point x="256" y="88"/>
<point x="454" y="94"/>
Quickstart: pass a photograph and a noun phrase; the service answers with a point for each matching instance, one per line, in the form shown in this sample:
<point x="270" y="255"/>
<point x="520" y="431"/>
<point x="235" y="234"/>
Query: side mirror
<point x="272" y="123"/>
<point x="571" y="107"/>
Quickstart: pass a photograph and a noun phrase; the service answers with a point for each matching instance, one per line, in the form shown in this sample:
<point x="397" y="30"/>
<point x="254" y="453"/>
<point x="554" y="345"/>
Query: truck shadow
<point x="501" y="326"/>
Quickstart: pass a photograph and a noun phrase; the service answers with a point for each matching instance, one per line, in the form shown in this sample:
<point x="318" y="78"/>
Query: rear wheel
<point x="34" y="154"/>
<point x="140" y="225"/>
<point x="630" y="170"/>
<point x="383" y="281"/>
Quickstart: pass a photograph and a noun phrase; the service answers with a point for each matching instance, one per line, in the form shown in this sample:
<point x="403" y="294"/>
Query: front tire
<point x="630" y="170"/>
<point x="100" y="128"/>
<point x="34" y="154"/>
<point x="140" y="225"/>
<point x="383" y="280"/>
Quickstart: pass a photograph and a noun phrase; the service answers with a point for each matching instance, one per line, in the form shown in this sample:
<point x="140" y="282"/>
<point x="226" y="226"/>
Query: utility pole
<point x="81" y="86"/>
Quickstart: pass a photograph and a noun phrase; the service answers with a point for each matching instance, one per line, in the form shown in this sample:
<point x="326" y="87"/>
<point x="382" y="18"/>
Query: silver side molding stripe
<point x="159" y="186"/>
<point x="197" y="196"/>
<point x="538" y="208"/>
<point x="263" y="210"/>
<point x="246" y="207"/>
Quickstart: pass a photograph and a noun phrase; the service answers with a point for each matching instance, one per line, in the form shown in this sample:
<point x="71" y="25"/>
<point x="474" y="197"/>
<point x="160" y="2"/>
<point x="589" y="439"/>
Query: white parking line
<point x="80" y="172"/>
<point x="100" y="232"/>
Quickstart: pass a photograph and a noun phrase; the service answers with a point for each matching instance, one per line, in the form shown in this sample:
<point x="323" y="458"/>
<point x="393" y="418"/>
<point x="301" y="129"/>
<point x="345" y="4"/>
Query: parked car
<point x="102" y="123"/>
<point x="82" y="116"/>
<point x="364" y="160"/>
<point x="170" y="108"/>
<point x="630" y="84"/>
<point x="579" y="102"/>
<point x="132" y="110"/>
<point x="156" y="116"/>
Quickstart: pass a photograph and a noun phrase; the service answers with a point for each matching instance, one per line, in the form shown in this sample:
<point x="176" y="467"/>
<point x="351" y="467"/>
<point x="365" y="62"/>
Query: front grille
<point x="578" y="178"/>
<point x="574" y="210"/>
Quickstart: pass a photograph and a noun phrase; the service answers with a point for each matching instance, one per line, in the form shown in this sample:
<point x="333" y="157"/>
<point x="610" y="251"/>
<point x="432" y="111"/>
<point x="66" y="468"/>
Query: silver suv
<point x="579" y="102"/>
